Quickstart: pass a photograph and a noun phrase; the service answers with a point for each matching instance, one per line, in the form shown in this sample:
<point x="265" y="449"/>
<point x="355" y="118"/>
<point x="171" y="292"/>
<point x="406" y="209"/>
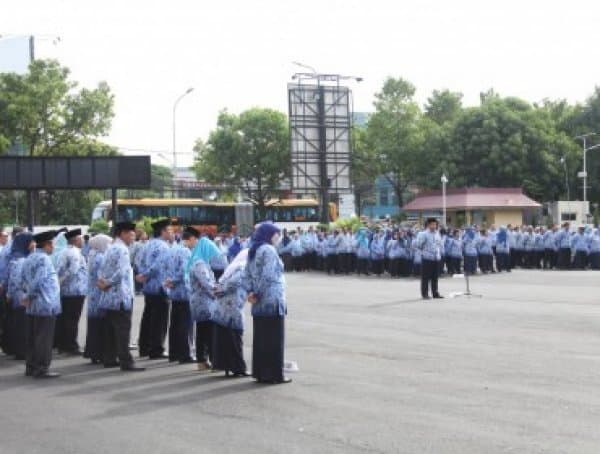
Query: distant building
<point x="481" y="206"/>
<point x="384" y="202"/>
<point x="575" y="212"/>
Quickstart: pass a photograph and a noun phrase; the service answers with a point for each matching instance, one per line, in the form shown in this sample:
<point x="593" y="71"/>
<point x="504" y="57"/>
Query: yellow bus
<point x="213" y="216"/>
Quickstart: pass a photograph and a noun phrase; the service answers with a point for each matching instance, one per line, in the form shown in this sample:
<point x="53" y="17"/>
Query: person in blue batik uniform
<point x="71" y="268"/>
<point x="96" y="317"/>
<point x="22" y="246"/>
<point x="177" y="291"/>
<point x="580" y="248"/>
<point x="265" y="283"/>
<point x="202" y="286"/>
<point x="362" y="252"/>
<point x="115" y="280"/>
<point x="595" y="249"/>
<point x="563" y="242"/>
<point x="429" y="243"/>
<point x="485" y="252"/>
<point x="469" y="242"/>
<point x="5" y="308"/>
<point x="155" y="318"/>
<point x="503" y="250"/>
<point x="228" y="316"/>
<point x="42" y="302"/>
<point x="378" y="253"/>
<point x="455" y="252"/>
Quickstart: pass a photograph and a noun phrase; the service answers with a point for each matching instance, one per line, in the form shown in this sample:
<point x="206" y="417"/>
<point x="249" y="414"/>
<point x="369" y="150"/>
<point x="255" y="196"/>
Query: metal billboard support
<point x="320" y="115"/>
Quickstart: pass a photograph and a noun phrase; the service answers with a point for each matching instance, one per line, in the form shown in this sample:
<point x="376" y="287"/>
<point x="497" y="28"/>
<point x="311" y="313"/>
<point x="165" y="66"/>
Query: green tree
<point x="443" y="106"/>
<point x="508" y="142"/>
<point x="395" y="134"/>
<point x="363" y="171"/>
<point x="249" y="152"/>
<point x="44" y="113"/>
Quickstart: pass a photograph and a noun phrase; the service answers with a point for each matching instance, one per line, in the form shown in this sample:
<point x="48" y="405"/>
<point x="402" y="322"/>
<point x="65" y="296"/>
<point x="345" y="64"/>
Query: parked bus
<point x="213" y="216"/>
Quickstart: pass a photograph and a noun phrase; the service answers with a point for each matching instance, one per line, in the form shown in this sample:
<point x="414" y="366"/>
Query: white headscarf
<point x="98" y="243"/>
<point x="238" y="262"/>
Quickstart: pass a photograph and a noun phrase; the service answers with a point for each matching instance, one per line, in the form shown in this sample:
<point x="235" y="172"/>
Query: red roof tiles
<point x="472" y="198"/>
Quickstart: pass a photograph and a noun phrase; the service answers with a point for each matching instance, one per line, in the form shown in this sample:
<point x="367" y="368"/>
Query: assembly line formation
<point x="195" y="287"/>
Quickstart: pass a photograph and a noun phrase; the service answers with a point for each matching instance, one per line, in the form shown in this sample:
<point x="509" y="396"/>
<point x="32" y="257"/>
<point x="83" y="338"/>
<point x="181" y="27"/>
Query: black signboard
<point x="127" y="172"/>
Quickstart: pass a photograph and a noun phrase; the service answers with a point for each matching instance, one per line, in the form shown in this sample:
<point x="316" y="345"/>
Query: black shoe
<point x="426" y="297"/>
<point x="160" y="356"/>
<point x="438" y="296"/>
<point x="284" y="380"/>
<point x="132" y="368"/>
<point x="47" y="374"/>
<point x="111" y="365"/>
<point x="241" y="374"/>
<point x="187" y="361"/>
<point x="72" y="352"/>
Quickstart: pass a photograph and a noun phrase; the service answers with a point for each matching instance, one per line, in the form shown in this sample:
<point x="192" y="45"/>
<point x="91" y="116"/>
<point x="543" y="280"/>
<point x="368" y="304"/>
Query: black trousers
<point x="94" y="339"/>
<point x="204" y="341"/>
<point x="267" y="348"/>
<point x="332" y="263"/>
<point x="362" y="266"/>
<point x="17" y="332"/>
<point x="564" y="259"/>
<point x="429" y="276"/>
<point x="228" y="351"/>
<point x="297" y="262"/>
<point x="39" y="336"/>
<point x="404" y="267"/>
<point x="67" y="323"/>
<point x="179" y="331"/>
<point x="377" y="266"/>
<point x="503" y="261"/>
<point x="394" y="267"/>
<point x="549" y="259"/>
<point x="154" y="324"/>
<point x="595" y="260"/>
<point x="6" y="327"/>
<point x="580" y="260"/>
<point x="470" y="264"/>
<point x="116" y="337"/>
<point x="486" y="262"/>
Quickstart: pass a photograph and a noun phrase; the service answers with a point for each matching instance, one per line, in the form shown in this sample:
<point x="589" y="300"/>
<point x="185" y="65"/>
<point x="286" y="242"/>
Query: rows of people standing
<point x="395" y="251"/>
<point x="194" y="290"/>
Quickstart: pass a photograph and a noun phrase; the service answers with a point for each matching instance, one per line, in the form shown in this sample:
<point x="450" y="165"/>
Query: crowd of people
<point x="194" y="290"/>
<point x="195" y="287"/>
<point x="397" y="251"/>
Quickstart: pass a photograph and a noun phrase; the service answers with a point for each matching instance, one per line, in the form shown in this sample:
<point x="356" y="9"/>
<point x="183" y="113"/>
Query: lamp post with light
<point x="444" y="180"/>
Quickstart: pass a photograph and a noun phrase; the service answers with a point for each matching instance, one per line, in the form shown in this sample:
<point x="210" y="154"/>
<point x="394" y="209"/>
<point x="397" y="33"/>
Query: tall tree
<point x="44" y="113"/>
<point x="443" y="106"/>
<point x="396" y="136"/>
<point x="249" y="152"/>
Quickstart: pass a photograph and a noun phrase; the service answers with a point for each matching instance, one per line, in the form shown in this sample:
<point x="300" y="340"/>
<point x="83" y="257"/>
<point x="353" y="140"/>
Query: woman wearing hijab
<point x="94" y="340"/>
<point x="265" y="283"/>
<point x="202" y="296"/>
<point x="228" y="353"/>
<point x="362" y="252"/>
<point x="22" y="246"/>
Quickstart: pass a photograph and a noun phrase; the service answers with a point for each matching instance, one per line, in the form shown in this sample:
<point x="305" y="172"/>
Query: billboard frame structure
<point x="320" y="117"/>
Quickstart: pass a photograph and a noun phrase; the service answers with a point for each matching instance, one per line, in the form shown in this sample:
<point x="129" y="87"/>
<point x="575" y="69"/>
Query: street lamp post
<point x="583" y="174"/>
<point x="187" y="92"/>
<point x="444" y="182"/>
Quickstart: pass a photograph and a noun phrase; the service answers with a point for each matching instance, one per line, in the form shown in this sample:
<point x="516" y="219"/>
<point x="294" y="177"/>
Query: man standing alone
<point x="429" y="242"/>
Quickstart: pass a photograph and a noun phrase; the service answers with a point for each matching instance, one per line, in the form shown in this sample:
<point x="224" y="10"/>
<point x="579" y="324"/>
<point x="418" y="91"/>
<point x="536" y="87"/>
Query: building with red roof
<point x="481" y="206"/>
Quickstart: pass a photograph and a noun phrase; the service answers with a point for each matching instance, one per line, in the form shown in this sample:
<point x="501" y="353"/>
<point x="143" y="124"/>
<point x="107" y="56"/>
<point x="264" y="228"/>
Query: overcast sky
<point x="237" y="53"/>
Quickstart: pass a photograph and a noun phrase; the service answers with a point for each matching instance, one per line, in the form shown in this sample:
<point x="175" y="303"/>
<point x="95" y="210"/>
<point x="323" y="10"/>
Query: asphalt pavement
<point x="516" y="370"/>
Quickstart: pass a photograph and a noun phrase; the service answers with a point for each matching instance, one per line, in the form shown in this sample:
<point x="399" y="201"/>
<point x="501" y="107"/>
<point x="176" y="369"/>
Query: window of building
<point x="568" y="216"/>
<point x="383" y="197"/>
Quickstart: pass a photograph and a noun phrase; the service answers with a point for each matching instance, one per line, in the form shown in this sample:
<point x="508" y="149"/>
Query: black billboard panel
<point x="74" y="172"/>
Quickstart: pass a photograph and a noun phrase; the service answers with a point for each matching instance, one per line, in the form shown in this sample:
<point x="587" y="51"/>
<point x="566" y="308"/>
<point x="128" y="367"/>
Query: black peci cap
<point x="43" y="237"/>
<point x="72" y="233"/>
<point x="124" y="227"/>
<point x="192" y="232"/>
<point x="159" y="225"/>
<point x="431" y="220"/>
